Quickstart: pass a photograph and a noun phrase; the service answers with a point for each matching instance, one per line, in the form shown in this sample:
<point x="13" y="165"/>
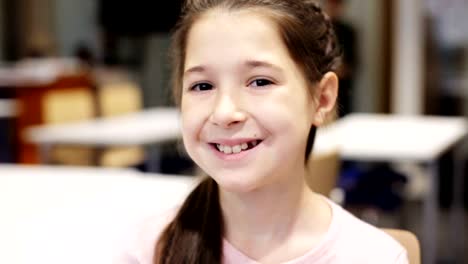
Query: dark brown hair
<point x="195" y="235"/>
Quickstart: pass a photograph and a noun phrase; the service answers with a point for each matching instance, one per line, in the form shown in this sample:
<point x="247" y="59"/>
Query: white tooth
<point x="244" y="146"/>
<point x="236" y="149"/>
<point x="227" y="150"/>
<point x="220" y="147"/>
<point x="254" y="143"/>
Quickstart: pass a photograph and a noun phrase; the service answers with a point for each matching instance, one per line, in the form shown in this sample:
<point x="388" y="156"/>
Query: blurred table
<point x="150" y="126"/>
<point x="398" y="138"/>
<point x="380" y="137"/>
<point x="77" y="215"/>
<point x="139" y="128"/>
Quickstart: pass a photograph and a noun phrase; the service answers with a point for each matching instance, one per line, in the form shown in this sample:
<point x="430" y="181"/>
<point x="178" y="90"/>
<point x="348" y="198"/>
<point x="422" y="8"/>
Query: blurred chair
<point x="409" y="241"/>
<point x="119" y="98"/>
<point x="38" y="89"/>
<point x="322" y="172"/>
<point x="111" y="99"/>
<point x="69" y="106"/>
<point x="323" y="167"/>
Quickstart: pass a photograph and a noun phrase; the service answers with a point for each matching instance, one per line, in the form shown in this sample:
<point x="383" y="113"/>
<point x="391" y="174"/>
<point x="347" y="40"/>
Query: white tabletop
<point x="375" y="137"/>
<point x="77" y="215"/>
<point x="37" y="72"/>
<point x="146" y="127"/>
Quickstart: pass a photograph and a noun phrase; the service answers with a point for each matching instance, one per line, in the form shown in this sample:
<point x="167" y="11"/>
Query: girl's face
<point x="246" y="106"/>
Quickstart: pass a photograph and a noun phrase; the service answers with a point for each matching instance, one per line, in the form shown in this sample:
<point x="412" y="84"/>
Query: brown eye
<point x="260" y="82"/>
<point x="201" y="87"/>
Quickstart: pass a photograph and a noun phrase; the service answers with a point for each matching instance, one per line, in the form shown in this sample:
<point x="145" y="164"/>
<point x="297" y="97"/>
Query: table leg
<point x="430" y="228"/>
<point x="44" y="153"/>
<point x="153" y="159"/>
<point x="457" y="210"/>
<point x="97" y="153"/>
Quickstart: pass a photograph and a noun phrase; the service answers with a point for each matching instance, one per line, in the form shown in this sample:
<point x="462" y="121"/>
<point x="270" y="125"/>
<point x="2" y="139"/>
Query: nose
<point x="226" y="111"/>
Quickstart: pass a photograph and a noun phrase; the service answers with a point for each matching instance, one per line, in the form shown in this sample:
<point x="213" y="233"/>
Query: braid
<point x="330" y="51"/>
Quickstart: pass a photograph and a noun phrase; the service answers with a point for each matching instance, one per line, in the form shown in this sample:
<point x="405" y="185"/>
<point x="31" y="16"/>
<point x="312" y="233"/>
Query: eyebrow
<point x="257" y="63"/>
<point x="249" y="63"/>
<point x="195" y="69"/>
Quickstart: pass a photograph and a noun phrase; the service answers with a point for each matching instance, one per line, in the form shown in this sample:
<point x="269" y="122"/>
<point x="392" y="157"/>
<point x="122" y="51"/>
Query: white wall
<point x="407" y="90"/>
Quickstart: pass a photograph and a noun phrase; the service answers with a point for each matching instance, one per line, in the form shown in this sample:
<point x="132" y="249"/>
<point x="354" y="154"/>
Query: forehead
<point x="220" y="37"/>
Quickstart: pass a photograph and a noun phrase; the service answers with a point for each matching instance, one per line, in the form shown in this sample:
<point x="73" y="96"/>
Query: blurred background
<point x="84" y="85"/>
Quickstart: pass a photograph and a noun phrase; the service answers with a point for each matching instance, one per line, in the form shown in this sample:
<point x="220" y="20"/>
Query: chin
<point x="237" y="183"/>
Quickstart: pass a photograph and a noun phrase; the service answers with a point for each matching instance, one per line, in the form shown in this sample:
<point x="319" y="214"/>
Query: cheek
<point x="289" y="109"/>
<point x="190" y="135"/>
<point x="190" y="125"/>
<point x="193" y="118"/>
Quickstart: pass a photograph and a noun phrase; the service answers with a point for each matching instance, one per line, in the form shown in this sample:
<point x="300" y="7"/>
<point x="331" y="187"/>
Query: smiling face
<point x="246" y="106"/>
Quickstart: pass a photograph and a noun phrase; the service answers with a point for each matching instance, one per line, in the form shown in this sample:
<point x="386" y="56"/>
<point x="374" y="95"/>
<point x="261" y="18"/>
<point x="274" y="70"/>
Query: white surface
<point x="145" y="127"/>
<point x="77" y="215"/>
<point x="7" y="108"/>
<point x="37" y="72"/>
<point x="373" y="137"/>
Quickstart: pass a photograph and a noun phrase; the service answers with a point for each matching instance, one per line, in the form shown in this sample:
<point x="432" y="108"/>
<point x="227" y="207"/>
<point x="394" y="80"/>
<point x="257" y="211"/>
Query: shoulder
<point x="364" y="243"/>
<point x="142" y="240"/>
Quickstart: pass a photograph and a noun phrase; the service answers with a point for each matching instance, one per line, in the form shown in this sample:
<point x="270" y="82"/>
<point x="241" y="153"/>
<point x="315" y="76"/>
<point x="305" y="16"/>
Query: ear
<point x="325" y="97"/>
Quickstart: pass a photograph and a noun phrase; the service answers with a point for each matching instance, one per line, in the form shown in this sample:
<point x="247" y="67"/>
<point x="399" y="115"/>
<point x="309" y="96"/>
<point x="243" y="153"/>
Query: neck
<point x="272" y="216"/>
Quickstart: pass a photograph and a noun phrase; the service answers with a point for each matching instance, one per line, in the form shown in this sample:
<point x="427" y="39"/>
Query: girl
<point x="254" y="78"/>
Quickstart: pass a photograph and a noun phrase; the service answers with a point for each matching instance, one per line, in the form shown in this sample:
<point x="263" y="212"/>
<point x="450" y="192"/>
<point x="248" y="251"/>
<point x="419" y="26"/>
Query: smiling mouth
<point x="225" y="149"/>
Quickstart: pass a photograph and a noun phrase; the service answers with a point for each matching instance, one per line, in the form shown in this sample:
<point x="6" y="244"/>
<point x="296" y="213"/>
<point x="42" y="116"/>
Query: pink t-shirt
<point x="348" y="240"/>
